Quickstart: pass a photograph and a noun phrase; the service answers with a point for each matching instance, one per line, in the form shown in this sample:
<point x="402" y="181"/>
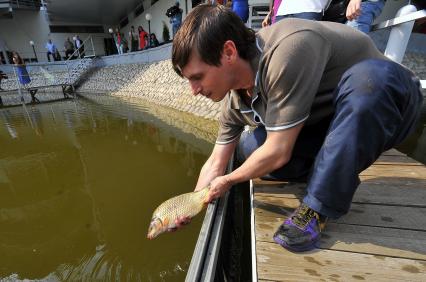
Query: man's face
<point x="210" y="81"/>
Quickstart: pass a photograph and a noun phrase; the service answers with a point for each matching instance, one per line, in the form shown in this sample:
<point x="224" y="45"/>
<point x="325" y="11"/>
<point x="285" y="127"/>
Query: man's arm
<point x="273" y="154"/>
<point x="216" y="164"/>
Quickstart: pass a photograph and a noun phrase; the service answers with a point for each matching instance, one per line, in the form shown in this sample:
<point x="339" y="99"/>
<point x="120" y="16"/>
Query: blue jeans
<point x="175" y="28"/>
<point x="306" y="16"/>
<point x="369" y="12"/>
<point x="377" y="104"/>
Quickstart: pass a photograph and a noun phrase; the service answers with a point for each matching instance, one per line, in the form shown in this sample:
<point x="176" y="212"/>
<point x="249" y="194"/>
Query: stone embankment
<point x="155" y="82"/>
<point x="159" y="84"/>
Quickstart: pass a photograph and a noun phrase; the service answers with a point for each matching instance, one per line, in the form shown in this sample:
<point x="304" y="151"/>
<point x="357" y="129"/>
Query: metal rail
<point x="421" y="14"/>
<point x="403" y="19"/>
<point x="206" y="252"/>
<point x="22" y="4"/>
<point x="77" y="51"/>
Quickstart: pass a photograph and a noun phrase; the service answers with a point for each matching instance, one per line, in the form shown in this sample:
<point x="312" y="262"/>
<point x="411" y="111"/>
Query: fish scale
<point x="185" y="205"/>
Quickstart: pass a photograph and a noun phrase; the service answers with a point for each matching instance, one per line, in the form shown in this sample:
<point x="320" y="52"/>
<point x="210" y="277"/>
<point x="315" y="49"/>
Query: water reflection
<point x="78" y="184"/>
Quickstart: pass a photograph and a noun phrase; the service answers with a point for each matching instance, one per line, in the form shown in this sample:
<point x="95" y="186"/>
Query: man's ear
<point x="229" y="51"/>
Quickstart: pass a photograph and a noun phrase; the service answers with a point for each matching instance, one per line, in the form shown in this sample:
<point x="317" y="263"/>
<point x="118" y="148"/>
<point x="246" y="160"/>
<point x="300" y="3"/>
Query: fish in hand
<point x="186" y="205"/>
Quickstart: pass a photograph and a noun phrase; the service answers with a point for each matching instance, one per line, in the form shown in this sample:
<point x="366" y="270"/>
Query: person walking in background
<point x="125" y="44"/>
<point x="51" y="50"/>
<point x="361" y="14"/>
<point x="175" y="15"/>
<point x="240" y="7"/>
<point x="68" y="48"/>
<point x="118" y="41"/>
<point x="78" y="43"/>
<point x="302" y="9"/>
<point x="133" y="38"/>
<point x="21" y="69"/>
<point x="143" y="35"/>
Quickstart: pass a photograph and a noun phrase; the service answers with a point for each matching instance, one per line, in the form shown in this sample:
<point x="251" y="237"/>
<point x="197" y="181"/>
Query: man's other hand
<point x="218" y="187"/>
<point x="354" y="10"/>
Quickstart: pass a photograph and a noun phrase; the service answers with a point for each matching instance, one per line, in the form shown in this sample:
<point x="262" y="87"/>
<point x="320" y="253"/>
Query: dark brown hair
<point x="205" y="30"/>
<point x="18" y="58"/>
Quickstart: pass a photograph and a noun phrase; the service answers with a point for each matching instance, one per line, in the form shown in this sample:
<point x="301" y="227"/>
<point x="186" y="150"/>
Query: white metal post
<point x="93" y="46"/>
<point x="399" y="36"/>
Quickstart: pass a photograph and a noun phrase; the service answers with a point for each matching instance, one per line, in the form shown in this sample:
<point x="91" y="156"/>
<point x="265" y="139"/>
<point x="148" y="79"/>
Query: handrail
<point x="82" y="44"/>
<point x="399" y="20"/>
<point x="36" y="4"/>
<point x="206" y="252"/>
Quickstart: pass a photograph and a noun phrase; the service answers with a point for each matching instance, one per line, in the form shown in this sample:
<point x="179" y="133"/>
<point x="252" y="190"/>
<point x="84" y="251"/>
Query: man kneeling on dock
<point x="325" y="103"/>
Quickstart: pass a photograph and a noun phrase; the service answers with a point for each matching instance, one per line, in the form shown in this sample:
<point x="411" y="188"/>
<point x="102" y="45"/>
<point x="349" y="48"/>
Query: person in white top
<point x="302" y="9"/>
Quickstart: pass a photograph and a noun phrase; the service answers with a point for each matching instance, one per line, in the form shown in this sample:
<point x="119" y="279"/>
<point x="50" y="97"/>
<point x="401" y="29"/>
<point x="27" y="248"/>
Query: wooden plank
<point x="277" y="264"/>
<point x="396" y="171"/>
<point x="389" y="191"/>
<point x="396" y="160"/>
<point x="410" y="193"/>
<point x="360" y="214"/>
<point x="360" y="239"/>
<point x="393" y="152"/>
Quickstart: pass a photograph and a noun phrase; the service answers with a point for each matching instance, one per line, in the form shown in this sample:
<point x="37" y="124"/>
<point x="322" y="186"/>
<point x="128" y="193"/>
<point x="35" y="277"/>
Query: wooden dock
<point x="382" y="238"/>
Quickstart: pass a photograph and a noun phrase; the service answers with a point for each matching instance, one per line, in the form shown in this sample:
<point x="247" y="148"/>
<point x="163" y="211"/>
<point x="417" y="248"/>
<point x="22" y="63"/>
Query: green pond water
<point x="79" y="181"/>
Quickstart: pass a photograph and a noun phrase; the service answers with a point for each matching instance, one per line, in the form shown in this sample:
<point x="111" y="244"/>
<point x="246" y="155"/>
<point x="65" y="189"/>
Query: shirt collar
<point x="236" y="103"/>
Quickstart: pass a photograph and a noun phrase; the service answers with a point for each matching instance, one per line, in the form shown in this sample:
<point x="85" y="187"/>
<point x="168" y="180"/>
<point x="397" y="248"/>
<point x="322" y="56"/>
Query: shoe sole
<point x="314" y="245"/>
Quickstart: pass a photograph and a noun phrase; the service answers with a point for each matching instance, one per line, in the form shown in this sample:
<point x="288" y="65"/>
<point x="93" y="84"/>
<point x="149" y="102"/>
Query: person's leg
<point x="48" y="56"/>
<point x="377" y="105"/>
<point x="174" y="28"/>
<point x="369" y="12"/>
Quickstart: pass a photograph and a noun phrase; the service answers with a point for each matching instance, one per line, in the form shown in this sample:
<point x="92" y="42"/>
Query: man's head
<point x="49" y="41"/>
<point x="209" y="50"/>
<point x="205" y="31"/>
<point x="177" y="4"/>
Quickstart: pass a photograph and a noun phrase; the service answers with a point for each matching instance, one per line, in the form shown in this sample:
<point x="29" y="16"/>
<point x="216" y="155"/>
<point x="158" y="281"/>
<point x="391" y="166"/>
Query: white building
<point x="34" y="21"/>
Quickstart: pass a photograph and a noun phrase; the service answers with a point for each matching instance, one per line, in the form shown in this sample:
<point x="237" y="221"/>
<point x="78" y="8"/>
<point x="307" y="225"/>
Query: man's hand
<point x="218" y="187"/>
<point x="267" y="20"/>
<point x="354" y="9"/>
<point x="180" y="222"/>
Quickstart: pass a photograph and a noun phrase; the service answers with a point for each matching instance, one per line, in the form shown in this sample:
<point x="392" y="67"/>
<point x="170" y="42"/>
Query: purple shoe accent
<point x="301" y="231"/>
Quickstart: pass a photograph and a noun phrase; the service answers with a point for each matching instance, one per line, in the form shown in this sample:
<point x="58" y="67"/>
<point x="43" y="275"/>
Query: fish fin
<point x="166" y="222"/>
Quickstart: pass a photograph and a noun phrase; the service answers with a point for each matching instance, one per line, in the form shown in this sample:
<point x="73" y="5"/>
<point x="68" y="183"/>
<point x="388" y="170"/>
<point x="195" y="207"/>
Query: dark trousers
<point x="68" y="53"/>
<point x="50" y="54"/>
<point x="306" y="16"/>
<point x="377" y="104"/>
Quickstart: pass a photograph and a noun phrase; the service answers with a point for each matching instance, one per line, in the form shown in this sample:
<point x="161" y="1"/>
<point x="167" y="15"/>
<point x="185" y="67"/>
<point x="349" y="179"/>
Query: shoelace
<point x="303" y="216"/>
